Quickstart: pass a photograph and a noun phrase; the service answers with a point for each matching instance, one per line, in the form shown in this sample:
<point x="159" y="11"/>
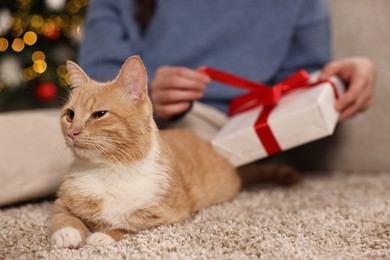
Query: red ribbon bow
<point x="262" y="95"/>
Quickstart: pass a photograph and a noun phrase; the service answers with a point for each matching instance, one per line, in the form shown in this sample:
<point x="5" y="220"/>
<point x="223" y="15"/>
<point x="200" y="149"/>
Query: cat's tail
<point x="267" y="172"/>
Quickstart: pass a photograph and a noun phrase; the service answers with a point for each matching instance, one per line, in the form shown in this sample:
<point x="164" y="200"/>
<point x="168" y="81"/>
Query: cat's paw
<point x="67" y="237"/>
<point x="99" y="239"/>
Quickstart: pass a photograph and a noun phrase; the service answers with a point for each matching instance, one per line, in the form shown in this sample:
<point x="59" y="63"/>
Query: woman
<point x="264" y="41"/>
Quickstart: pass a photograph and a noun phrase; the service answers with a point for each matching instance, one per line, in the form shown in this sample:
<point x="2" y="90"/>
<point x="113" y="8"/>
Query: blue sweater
<point x="262" y="40"/>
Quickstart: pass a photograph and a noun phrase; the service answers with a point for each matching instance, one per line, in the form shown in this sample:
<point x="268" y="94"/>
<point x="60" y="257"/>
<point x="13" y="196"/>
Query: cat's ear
<point x="78" y="78"/>
<point x="133" y="78"/>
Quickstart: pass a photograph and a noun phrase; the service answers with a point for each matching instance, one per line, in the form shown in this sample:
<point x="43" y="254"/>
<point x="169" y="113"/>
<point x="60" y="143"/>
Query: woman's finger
<point x="183" y="72"/>
<point x="167" y="111"/>
<point x="175" y="96"/>
<point x="183" y="83"/>
<point x="361" y="103"/>
<point x="332" y="69"/>
<point x="357" y="85"/>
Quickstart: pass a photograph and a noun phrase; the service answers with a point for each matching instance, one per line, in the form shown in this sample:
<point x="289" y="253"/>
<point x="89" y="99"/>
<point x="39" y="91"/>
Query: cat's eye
<point x="69" y="114"/>
<point x="98" y="114"/>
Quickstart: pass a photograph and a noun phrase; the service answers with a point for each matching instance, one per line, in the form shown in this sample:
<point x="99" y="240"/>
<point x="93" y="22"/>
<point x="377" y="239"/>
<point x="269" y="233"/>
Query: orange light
<point x="30" y="38"/>
<point x="36" y="21"/>
<point x="38" y="55"/>
<point x="17" y="45"/>
<point x="72" y="7"/>
<point x="28" y="74"/>
<point x="3" y="44"/>
<point x="62" y="71"/>
<point x="39" y="66"/>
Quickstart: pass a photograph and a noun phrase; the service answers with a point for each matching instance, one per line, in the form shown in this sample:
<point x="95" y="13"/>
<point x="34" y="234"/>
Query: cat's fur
<point x="129" y="175"/>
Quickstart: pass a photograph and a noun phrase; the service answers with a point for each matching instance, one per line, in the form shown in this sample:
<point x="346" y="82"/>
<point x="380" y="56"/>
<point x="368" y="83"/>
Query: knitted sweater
<point x="262" y="40"/>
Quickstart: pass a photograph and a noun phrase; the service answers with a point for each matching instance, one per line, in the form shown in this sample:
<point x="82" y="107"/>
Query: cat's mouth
<point x="76" y="144"/>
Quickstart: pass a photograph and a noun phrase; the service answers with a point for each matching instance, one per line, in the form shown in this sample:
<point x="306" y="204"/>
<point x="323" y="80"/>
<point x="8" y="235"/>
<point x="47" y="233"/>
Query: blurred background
<point x="36" y="39"/>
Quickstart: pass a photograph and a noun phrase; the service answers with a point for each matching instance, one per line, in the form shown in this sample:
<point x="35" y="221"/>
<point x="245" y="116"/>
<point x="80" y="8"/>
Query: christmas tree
<point x="36" y="39"/>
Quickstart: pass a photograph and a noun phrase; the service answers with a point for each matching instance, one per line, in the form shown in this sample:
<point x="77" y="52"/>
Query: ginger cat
<point x="128" y="175"/>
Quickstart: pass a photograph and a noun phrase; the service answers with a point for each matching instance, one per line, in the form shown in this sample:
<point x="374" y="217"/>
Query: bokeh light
<point x="50" y="30"/>
<point x="3" y="44"/>
<point x="63" y="74"/>
<point x="17" y="25"/>
<point x="17" y="45"/>
<point x="38" y="55"/>
<point x="77" y="20"/>
<point x="30" y="38"/>
<point x="64" y="20"/>
<point x="39" y="66"/>
<point x="73" y="7"/>
<point x="36" y="21"/>
<point x="57" y="20"/>
<point x="28" y="74"/>
<point x="62" y="71"/>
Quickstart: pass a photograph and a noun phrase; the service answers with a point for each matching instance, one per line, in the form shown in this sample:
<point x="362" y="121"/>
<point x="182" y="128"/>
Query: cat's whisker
<point x="62" y="147"/>
<point x="62" y="99"/>
<point x="118" y="144"/>
<point x="62" y="82"/>
<point x="105" y="150"/>
<point x="118" y="148"/>
<point x="106" y="153"/>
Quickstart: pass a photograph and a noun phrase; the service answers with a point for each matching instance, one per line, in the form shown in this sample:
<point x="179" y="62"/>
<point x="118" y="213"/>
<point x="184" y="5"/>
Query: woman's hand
<point x="174" y="88"/>
<point x="360" y="73"/>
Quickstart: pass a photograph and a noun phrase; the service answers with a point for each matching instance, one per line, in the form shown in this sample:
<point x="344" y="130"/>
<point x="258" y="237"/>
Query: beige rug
<point x="327" y="216"/>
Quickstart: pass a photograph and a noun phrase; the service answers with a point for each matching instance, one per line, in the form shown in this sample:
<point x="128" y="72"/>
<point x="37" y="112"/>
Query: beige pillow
<point x="33" y="157"/>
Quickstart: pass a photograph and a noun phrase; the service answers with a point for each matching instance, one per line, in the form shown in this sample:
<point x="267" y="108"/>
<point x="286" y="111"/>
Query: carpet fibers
<point x="326" y="216"/>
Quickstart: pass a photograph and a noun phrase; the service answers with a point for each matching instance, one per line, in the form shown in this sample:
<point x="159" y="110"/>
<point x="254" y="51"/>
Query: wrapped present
<point x="268" y="120"/>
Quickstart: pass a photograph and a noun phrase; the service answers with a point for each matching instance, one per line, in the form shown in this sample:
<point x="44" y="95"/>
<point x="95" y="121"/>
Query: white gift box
<point x="301" y="116"/>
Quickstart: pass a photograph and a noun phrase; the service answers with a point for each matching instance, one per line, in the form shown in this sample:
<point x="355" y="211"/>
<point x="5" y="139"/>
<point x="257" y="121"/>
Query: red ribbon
<point x="262" y="95"/>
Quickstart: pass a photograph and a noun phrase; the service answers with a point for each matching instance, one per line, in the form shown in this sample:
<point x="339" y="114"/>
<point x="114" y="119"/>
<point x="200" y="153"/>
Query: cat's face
<point x="109" y="122"/>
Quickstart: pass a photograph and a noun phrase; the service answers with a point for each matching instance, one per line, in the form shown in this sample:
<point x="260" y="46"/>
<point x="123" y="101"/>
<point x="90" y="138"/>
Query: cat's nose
<point x="72" y="133"/>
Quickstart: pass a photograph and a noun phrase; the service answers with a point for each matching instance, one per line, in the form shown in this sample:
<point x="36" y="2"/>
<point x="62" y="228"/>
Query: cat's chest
<point x="120" y="190"/>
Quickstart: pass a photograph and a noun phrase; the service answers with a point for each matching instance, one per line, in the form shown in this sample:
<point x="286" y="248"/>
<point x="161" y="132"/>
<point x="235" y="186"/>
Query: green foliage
<point x="36" y="39"/>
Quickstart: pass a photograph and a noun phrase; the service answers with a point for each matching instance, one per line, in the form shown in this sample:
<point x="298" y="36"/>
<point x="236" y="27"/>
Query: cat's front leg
<point x="67" y="231"/>
<point x="102" y="238"/>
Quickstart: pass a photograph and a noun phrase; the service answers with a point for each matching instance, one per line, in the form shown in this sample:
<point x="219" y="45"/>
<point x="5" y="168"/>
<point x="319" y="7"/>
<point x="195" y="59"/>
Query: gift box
<point x="297" y="111"/>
